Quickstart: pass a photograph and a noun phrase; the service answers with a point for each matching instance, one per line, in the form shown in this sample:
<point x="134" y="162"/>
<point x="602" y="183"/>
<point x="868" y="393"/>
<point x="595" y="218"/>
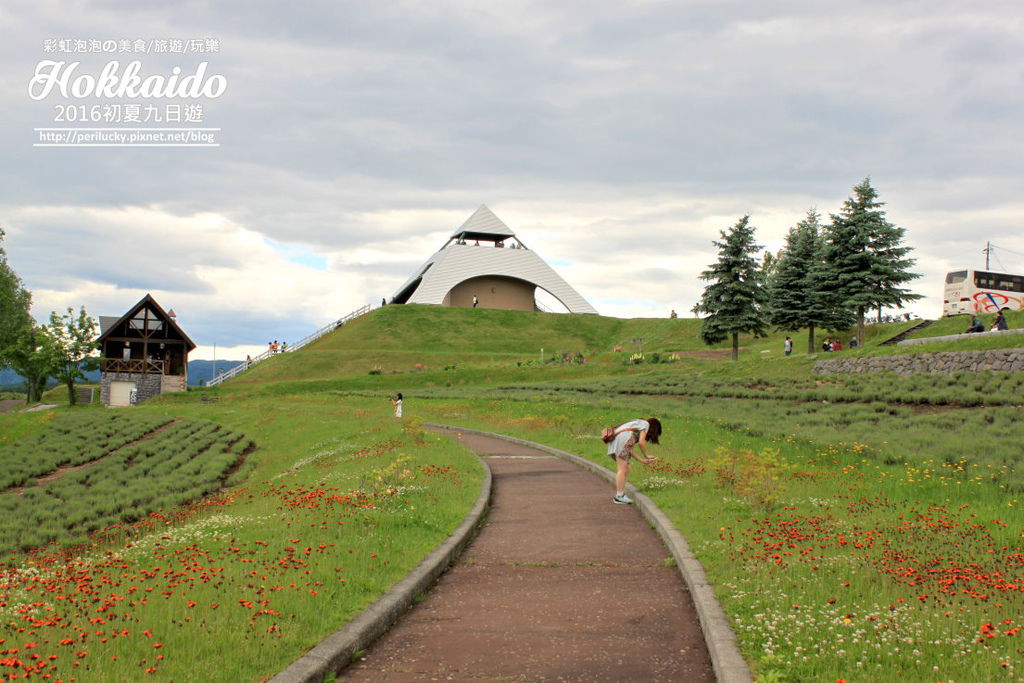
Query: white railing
<point x="286" y="348"/>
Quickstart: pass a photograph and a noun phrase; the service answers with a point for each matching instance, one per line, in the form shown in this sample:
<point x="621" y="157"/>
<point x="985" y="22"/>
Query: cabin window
<point x="146" y="321"/>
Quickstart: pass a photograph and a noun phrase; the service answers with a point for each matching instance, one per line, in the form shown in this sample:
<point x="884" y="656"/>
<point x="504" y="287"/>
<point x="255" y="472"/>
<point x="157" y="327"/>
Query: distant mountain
<point x="12" y="381"/>
<point x="203" y="369"/>
<point x="199" y="371"/>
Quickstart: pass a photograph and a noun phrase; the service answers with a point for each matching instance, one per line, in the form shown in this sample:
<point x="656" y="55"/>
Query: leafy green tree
<point x="33" y="357"/>
<point x="15" y="302"/>
<point x="769" y="264"/>
<point x="73" y="340"/>
<point x="735" y="297"/>
<point x="866" y="258"/>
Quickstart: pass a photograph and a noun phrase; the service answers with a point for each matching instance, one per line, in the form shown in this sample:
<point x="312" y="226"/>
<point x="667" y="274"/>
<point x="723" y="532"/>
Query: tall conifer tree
<point x="793" y="296"/>
<point x="799" y="289"/>
<point x="735" y="297"/>
<point x="864" y="253"/>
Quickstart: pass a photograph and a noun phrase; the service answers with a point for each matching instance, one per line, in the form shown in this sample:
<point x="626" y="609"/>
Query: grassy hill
<point x="397" y="338"/>
<point x="481" y="345"/>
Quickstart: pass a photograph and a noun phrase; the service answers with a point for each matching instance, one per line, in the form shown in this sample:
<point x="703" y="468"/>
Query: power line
<point x="1001" y="266"/>
<point x="993" y="246"/>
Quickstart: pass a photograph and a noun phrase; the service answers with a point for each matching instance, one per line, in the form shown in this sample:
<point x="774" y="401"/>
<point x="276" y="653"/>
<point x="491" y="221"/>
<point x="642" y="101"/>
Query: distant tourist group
<point x="998" y="323"/>
<point x="831" y="344"/>
<point x="827" y="346"/>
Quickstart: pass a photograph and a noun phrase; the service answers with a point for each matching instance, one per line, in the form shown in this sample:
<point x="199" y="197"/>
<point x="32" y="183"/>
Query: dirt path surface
<point x="560" y="585"/>
<point x="7" y="405"/>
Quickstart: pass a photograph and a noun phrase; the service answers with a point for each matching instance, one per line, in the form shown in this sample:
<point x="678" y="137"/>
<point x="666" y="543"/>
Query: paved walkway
<point x="560" y="585"/>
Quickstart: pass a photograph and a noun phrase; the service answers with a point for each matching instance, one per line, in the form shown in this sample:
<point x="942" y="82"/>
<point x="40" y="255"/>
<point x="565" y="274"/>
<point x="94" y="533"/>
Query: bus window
<point x="1008" y="283"/>
<point x="956" y="277"/>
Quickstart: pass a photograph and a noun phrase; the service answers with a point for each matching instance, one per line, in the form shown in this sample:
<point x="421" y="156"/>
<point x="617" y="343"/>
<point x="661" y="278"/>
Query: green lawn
<point x="338" y="502"/>
<point x="863" y="528"/>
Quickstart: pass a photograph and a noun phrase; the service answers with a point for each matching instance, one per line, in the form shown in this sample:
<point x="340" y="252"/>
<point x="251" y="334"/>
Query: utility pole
<point x="988" y="250"/>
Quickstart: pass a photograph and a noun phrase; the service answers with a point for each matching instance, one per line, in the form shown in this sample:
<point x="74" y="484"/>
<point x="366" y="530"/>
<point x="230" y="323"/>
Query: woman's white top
<point x="626" y="432"/>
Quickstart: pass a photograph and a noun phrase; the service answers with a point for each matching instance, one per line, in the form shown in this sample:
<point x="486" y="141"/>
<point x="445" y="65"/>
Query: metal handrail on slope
<point x="330" y="327"/>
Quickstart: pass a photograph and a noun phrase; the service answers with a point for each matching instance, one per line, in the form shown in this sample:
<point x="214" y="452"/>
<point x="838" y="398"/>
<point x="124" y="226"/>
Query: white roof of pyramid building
<point x="483" y="222"/>
<point x="460" y="259"/>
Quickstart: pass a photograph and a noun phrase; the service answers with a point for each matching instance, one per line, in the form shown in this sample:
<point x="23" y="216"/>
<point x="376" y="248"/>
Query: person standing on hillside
<point x="627" y="435"/>
<point x="788" y="346"/>
<point x="475" y="301"/>
<point x="397" y="403"/>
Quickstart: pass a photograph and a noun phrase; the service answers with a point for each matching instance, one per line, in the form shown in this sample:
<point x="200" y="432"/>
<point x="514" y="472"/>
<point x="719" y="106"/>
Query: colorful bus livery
<point x="979" y="291"/>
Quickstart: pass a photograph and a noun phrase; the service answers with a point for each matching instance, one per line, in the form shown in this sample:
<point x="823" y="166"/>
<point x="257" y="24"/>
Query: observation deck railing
<point x="330" y="327"/>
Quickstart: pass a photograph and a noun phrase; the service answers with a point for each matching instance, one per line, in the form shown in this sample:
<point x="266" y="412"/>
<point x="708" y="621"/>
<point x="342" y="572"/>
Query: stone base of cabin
<point x="116" y="388"/>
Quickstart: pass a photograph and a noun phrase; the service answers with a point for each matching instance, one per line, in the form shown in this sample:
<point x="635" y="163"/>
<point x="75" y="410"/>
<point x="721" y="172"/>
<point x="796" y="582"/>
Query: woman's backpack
<point x="609" y="433"/>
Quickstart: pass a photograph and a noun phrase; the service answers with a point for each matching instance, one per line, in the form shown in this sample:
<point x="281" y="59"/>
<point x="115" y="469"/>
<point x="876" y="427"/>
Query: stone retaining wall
<point x="147" y="386"/>
<point x="946" y="363"/>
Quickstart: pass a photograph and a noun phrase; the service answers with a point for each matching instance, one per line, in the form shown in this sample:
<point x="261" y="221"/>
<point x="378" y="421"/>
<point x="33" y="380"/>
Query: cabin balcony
<point x="135" y="366"/>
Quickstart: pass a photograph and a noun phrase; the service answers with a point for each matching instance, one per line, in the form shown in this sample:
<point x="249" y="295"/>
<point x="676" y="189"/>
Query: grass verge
<point x="341" y="505"/>
<point x="830" y="564"/>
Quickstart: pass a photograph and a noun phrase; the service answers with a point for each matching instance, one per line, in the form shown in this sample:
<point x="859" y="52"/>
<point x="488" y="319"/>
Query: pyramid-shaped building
<point x="484" y="262"/>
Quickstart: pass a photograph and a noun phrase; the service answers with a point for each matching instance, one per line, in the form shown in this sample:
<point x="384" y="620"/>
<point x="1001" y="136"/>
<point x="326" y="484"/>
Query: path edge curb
<point x="726" y="660"/>
<point x="335" y="652"/>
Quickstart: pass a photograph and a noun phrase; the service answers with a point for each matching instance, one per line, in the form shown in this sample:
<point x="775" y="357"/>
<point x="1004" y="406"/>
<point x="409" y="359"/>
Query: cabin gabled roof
<point x="109" y="323"/>
<point x="106" y="322"/>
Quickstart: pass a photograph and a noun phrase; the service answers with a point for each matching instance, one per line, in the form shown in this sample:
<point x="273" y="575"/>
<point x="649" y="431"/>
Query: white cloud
<point x="205" y="267"/>
<point x="617" y="139"/>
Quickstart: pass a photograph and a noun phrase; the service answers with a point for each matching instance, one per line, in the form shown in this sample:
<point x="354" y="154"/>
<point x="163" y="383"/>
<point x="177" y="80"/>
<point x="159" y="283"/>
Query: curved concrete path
<point x="560" y="585"/>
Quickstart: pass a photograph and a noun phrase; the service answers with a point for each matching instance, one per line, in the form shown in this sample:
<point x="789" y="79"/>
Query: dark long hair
<point x="654" y="431"/>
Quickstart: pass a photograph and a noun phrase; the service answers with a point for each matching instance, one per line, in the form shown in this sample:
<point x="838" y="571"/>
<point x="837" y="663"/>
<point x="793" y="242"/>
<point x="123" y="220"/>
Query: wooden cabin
<point x="144" y="352"/>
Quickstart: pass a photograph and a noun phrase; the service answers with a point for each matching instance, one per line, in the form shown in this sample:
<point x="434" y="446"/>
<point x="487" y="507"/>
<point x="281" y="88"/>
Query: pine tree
<point x="791" y="304"/>
<point x="864" y="253"/>
<point x="734" y="299"/>
<point x="798" y="291"/>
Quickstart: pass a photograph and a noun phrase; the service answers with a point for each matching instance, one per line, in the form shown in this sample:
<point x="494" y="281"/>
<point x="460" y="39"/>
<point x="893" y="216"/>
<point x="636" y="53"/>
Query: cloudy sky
<point x="616" y="138"/>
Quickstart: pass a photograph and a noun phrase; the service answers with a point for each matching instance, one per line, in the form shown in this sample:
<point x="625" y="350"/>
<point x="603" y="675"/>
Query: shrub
<point x="751" y="475"/>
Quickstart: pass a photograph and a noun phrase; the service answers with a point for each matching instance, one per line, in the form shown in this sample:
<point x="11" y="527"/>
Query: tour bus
<point x="980" y="291"/>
